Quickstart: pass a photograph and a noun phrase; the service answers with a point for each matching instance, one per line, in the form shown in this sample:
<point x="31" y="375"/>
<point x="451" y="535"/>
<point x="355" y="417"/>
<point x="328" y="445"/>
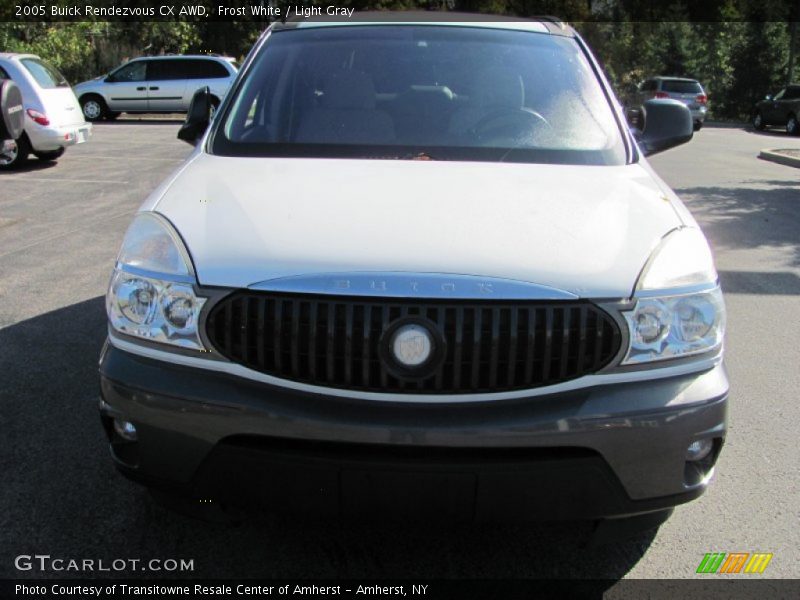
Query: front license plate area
<point x="408" y="495"/>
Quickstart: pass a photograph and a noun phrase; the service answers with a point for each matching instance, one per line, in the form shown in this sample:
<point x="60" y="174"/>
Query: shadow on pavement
<point x="760" y="282"/>
<point x="749" y="217"/>
<point x="62" y="497"/>
<point x="171" y="120"/>
<point x="31" y="165"/>
<point x="774" y="133"/>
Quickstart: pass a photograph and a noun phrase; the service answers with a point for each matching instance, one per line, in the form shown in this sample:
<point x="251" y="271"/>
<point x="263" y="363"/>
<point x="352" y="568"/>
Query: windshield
<point x="45" y="74"/>
<point x="421" y="91"/>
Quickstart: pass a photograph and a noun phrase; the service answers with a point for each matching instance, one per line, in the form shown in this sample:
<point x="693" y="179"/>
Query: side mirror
<point x="12" y="115"/>
<point x="661" y="125"/>
<point x="198" y="117"/>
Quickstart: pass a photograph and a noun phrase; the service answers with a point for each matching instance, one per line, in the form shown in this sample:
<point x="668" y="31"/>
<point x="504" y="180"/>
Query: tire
<point x="94" y="108"/>
<point x="792" y="125"/>
<point x="54" y="155"/>
<point x="18" y="157"/>
<point x="698" y="125"/>
<point x="758" y="121"/>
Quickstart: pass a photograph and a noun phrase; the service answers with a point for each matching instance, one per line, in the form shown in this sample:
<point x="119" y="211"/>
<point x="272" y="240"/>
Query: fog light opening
<point x="126" y="430"/>
<point x="699" y="449"/>
<point x="701" y="456"/>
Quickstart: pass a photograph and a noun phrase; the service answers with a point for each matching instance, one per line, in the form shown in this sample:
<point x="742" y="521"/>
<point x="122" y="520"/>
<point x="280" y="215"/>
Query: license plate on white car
<point x="83" y="135"/>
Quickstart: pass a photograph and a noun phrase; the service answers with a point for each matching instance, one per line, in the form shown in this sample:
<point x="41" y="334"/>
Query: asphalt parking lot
<point x="60" y="228"/>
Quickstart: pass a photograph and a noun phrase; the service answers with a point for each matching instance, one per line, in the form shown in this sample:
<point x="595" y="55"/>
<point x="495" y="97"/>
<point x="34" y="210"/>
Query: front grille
<point x="334" y="341"/>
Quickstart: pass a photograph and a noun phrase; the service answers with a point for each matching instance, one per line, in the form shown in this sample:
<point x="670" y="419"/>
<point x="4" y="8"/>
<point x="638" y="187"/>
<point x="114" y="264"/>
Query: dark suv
<point x="781" y="110"/>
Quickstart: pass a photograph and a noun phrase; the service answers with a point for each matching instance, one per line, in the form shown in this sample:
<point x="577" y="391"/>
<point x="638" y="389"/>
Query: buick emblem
<point x="412" y="345"/>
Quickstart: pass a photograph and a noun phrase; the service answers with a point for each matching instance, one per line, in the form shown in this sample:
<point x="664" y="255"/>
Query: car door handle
<point x="141" y="89"/>
<point x="152" y="89"/>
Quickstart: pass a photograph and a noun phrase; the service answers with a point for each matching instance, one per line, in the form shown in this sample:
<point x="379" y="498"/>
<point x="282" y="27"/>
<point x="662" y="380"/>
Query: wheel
<point x="94" y="108"/>
<point x="698" y="125"/>
<point x="18" y="156"/>
<point x="792" y="126"/>
<point x="758" y="121"/>
<point x="54" y="155"/>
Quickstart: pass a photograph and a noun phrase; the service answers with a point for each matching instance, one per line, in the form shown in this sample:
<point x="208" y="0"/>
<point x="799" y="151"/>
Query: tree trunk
<point x="792" y="54"/>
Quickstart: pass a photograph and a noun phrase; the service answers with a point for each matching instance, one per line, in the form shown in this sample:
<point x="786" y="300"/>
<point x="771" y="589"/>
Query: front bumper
<point x="611" y="450"/>
<point x="50" y="138"/>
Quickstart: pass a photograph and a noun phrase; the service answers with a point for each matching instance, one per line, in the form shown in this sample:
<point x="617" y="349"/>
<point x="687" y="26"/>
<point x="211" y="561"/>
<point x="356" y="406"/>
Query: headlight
<point x="673" y="326"/>
<point x="151" y="295"/>
<point x="679" y="308"/>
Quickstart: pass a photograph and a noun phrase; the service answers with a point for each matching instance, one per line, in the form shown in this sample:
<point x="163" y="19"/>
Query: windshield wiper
<point x="409" y="156"/>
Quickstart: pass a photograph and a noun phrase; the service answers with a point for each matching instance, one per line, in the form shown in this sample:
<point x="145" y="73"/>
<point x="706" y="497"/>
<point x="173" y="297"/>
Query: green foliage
<point x="737" y="62"/>
<point x="65" y="45"/>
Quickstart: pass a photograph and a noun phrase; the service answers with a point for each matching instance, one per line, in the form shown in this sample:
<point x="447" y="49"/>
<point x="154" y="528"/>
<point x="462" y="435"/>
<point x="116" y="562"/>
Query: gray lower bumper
<point x="190" y="422"/>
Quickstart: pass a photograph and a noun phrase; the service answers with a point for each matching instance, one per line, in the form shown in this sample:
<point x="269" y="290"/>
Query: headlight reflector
<point x="136" y="299"/>
<point x="672" y="326"/>
<point x="153" y="309"/>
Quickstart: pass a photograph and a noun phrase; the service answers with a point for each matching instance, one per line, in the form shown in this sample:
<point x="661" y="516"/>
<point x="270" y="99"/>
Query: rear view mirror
<point x="198" y="117"/>
<point x="12" y="116"/>
<point x="660" y="125"/>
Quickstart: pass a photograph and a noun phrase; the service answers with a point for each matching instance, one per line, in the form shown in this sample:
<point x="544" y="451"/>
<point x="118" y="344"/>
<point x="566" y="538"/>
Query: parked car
<point x="688" y="91"/>
<point x="53" y="119"/>
<point x="419" y="268"/>
<point x="781" y="110"/>
<point x="12" y="118"/>
<point x="155" y="84"/>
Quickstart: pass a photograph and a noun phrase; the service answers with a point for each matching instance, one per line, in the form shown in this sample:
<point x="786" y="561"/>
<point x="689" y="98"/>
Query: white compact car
<point x="53" y="118"/>
<point x="419" y="268"/>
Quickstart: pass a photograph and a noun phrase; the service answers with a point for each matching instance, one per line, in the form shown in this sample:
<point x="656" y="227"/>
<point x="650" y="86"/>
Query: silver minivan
<point x="155" y="84"/>
<point x="687" y="91"/>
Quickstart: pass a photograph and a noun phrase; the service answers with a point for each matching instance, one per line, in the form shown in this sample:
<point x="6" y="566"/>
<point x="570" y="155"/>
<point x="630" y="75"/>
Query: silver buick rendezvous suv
<point x="419" y="268"/>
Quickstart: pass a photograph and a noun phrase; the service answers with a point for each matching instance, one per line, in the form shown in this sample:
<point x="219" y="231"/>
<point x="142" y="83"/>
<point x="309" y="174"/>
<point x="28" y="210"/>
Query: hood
<point x="89" y="84"/>
<point x="587" y="230"/>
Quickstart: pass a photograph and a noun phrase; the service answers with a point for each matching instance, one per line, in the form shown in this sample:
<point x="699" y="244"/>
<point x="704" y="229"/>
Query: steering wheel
<point x="509" y="123"/>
